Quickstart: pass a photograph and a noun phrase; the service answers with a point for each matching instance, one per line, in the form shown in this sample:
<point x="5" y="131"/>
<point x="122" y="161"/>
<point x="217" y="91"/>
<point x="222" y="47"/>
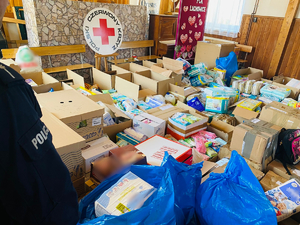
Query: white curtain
<point x="224" y="17"/>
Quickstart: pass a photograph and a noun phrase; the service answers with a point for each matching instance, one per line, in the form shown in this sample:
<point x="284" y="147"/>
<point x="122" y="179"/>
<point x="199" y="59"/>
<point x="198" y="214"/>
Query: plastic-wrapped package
<point x="190" y="97"/>
<point x="143" y="105"/>
<point x="249" y="104"/>
<point x="234" y="197"/>
<point x="118" y="97"/>
<point x="129" y="104"/>
<point x="221" y="72"/>
<point x="210" y="152"/>
<point x="28" y="62"/>
<point x="242" y="86"/>
<point x="201" y="67"/>
<point x="107" y="119"/>
<point x="275" y="91"/>
<point x="186" y="64"/>
<point x="134" y="134"/>
<point x="207" y="134"/>
<point x="249" y="86"/>
<point x="201" y="80"/>
<point x="155" y="101"/>
<point x="217" y="104"/>
<point x="159" y="209"/>
<point x="119" y="105"/>
<point x="200" y="143"/>
<point x="184" y="119"/>
<point x="133" y="113"/>
<point x="196" y="104"/>
<point x="235" y="84"/>
<point x="170" y="98"/>
<point x="256" y="87"/>
<point x="31" y="82"/>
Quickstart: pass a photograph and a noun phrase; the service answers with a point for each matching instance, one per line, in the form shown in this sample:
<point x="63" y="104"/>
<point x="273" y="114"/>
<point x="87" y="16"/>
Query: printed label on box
<point x="97" y="121"/>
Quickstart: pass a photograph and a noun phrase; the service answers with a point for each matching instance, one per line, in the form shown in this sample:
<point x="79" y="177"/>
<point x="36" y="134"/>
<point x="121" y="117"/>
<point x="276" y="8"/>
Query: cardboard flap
<point x="222" y="125"/>
<point x="103" y="80"/>
<point x="146" y="73"/>
<point x="46" y="87"/>
<point x="77" y="79"/>
<point x="119" y="70"/>
<point x="15" y="67"/>
<point x="162" y="71"/>
<point x="144" y="93"/>
<point x="147" y="63"/>
<point x="105" y="98"/>
<point x="244" y="113"/>
<point x="127" y="88"/>
<point x="174" y="65"/>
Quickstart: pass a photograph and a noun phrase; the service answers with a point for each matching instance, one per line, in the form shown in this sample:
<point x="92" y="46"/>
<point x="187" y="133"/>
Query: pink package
<point x="205" y="157"/>
<point x="200" y="143"/>
<point x="207" y="135"/>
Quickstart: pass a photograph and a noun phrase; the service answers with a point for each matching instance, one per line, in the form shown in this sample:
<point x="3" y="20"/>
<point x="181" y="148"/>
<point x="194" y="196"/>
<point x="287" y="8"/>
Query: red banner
<point x="190" y="27"/>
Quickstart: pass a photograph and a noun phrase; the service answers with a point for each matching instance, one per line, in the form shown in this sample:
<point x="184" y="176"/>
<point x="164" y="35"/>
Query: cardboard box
<point x="129" y="67"/>
<point x="67" y="143"/>
<point x="149" y="125"/>
<point x="164" y="112"/>
<point x="288" y="221"/>
<point x="133" y="89"/>
<point x="43" y="80"/>
<point x="153" y="81"/>
<point x="122" y="120"/>
<point x="208" y="52"/>
<point x="60" y="86"/>
<point x="221" y="129"/>
<point x="256" y="140"/>
<point x="242" y="115"/>
<point x="77" y="111"/>
<point x="182" y="90"/>
<point x="154" y="148"/>
<point x="281" y="115"/>
<point x="8" y="62"/>
<point x="79" y="186"/>
<point x="96" y="149"/>
<point x="146" y="63"/>
<point x="278" y="168"/>
<point x="271" y="180"/>
<point x="170" y="68"/>
<point x="281" y="81"/>
<point x="253" y="74"/>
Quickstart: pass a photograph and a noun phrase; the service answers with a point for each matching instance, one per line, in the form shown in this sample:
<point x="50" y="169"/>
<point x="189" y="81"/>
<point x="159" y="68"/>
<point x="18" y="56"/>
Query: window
<point x="224" y="17"/>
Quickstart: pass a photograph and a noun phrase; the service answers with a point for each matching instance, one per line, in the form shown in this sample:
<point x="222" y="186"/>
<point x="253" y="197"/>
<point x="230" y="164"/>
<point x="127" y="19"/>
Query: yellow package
<point x="249" y="104"/>
<point x="85" y="91"/>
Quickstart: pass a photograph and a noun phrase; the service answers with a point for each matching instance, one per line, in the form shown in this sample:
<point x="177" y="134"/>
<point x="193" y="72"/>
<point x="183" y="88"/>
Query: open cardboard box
<point x="128" y="67"/>
<point x="123" y="121"/>
<point x="281" y="81"/>
<point x="182" y="90"/>
<point x="242" y="114"/>
<point x="154" y="81"/>
<point x="253" y="74"/>
<point x="77" y="111"/>
<point x="208" y="52"/>
<point x="164" y="112"/>
<point x="133" y="89"/>
<point x="67" y="143"/>
<point x="60" y="86"/>
<point x="169" y="68"/>
<point x="221" y="129"/>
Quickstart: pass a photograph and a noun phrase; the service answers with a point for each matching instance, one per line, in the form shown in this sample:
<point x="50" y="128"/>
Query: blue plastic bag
<point x="186" y="181"/>
<point x="158" y="209"/>
<point x="196" y="104"/>
<point x="228" y="63"/>
<point x="234" y="197"/>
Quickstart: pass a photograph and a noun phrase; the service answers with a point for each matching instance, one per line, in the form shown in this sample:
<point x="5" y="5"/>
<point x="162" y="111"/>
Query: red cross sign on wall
<point x="104" y="32"/>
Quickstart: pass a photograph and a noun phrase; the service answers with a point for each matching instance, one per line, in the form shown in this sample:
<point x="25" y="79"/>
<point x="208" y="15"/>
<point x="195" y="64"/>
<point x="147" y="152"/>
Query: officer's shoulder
<point x="8" y="74"/>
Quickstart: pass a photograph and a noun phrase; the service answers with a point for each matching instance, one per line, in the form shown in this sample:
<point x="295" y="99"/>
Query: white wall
<point x="275" y="8"/>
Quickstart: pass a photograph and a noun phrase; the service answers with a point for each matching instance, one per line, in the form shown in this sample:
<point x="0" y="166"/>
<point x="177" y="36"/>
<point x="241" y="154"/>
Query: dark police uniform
<point x="35" y="185"/>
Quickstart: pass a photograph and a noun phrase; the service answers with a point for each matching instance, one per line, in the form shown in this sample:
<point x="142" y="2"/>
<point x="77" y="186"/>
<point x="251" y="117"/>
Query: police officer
<point x="35" y="185"/>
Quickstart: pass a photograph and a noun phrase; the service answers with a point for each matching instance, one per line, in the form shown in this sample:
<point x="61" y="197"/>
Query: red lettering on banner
<point x="104" y="32"/>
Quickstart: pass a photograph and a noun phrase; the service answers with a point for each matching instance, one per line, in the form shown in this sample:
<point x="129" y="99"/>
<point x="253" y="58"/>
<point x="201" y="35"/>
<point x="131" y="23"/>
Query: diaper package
<point x="129" y="104"/>
<point x="184" y="119"/>
<point x="275" y="91"/>
<point x="201" y="80"/>
<point x="143" y="105"/>
<point x="217" y="104"/>
<point x="249" y="86"/>
<point x="256" y="87"/>
<point x="249" y="104"/>
<point x="127" y="194"/>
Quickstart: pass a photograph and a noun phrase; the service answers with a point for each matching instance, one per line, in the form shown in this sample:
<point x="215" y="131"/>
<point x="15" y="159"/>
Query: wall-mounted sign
<point x="190" y="27"/>
<point x="103" y="31"/>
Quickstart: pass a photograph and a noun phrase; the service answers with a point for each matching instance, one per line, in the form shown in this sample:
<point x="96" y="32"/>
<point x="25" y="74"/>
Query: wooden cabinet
<point x="162" y="28"/>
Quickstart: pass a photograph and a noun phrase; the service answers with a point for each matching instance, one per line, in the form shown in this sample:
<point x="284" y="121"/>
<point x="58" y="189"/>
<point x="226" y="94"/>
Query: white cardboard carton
<point x="149" y="125"/>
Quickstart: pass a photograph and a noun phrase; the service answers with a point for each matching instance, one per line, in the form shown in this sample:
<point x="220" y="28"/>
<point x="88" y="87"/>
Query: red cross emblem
<point x="104" y="32"/>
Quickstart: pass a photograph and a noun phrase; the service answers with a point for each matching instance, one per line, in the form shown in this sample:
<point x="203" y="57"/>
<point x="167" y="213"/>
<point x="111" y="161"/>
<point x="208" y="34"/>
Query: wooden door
<point x="167" y="28"/>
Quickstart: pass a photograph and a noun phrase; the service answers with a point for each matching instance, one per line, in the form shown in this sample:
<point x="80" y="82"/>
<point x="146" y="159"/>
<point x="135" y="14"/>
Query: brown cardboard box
<point x="164" y="112"/>
<point x="131" y="67"/>
<point x="288" y="221"/>
<point x="79" y="186"/>
<point x="68" y="144"/>
<point x="271" y="180"/>
<point x="281" y="115"/>
<point x="281" y="81"/>
<point x="221" y="129"/>
<point x="256" y="140"/>
<point x="278" y="168"/>
<point x="133" y="89"/>
<point x="60" y="86"/>
<point x="153" y="81"/>
<point x="182" y="90"/>
<point x="72" y="108"/>
<point x="253" y="74"/>
<point x="208" y="52"/>
<point x="123" y="121"/>
<point x="242" y="114"/>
